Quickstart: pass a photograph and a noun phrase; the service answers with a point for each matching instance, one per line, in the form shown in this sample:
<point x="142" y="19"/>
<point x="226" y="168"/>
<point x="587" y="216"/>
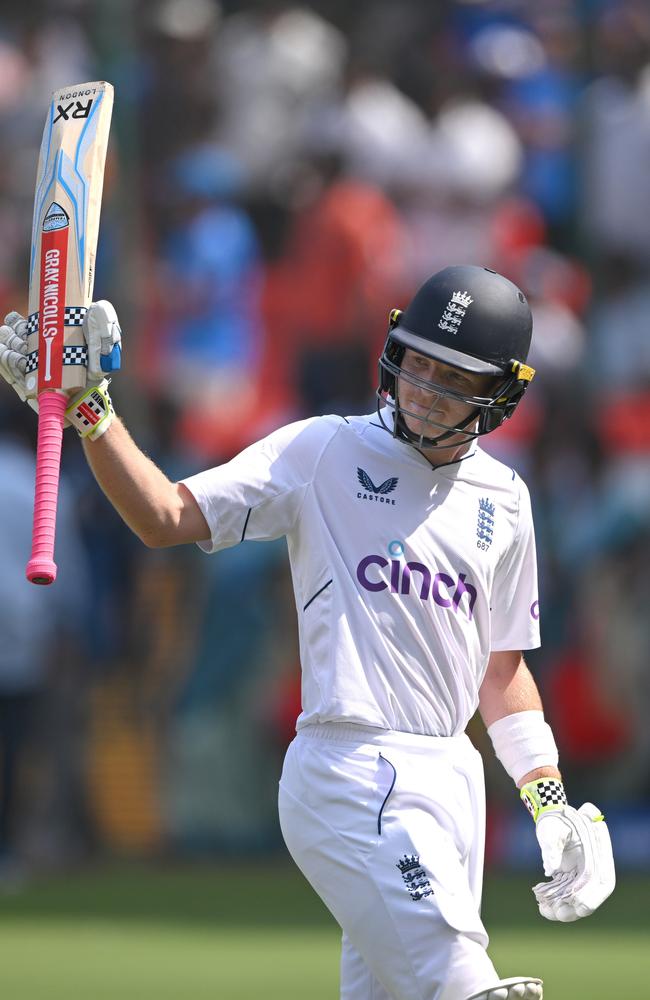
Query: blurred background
<point x="279" y="177"/>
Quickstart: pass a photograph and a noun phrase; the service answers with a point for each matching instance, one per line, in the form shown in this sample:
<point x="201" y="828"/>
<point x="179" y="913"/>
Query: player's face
<point x="417" y="404"/>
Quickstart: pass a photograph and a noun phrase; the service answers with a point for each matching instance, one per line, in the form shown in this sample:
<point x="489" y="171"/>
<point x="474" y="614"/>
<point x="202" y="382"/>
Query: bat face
<point x="64" y="235"/>
<point x="61" y="275"/>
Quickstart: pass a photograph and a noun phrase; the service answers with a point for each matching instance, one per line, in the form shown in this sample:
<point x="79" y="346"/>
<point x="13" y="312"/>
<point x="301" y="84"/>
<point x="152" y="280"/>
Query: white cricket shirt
<point x="405" y="576"/>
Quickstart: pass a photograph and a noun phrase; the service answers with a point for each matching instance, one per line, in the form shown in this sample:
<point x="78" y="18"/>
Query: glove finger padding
<point x="18" y="324"/>
<point x="13" y="362"/>
<point x="577" y="852"/>
<point x="12" y="341"/>
<point x="104" y="339"/>
<point x="13" y="348"/>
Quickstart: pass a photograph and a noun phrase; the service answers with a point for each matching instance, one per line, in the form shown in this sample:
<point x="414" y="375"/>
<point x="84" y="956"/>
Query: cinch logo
<point x="376" y="493"/>
<point x="444" y="590"/>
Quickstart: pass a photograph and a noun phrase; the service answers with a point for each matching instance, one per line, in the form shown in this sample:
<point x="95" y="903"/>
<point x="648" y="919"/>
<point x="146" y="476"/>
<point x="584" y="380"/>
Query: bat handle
<point x="41" y="568"/>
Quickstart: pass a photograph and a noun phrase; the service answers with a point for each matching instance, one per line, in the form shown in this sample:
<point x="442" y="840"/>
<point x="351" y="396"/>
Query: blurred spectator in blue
<point x="221" y="759"/>
<point x="529" y="62"/>
<point x="615" y="113"/>
<point x="42" y="632"/>
<point x="206" y="337"/>
<point x="211" y="259"/>
<point x="619" y="341"/>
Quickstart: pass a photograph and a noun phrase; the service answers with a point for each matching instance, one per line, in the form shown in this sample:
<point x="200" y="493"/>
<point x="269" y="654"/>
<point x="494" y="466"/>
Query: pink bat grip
<point x="41" y="568"/>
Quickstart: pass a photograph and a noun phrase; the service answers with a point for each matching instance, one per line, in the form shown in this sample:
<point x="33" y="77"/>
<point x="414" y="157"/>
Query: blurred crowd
<point x="280" y="176"/>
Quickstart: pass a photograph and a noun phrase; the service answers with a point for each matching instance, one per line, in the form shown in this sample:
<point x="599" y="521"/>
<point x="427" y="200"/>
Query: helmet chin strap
<point x="436" y="442"/>
<point x="399" y="428"/>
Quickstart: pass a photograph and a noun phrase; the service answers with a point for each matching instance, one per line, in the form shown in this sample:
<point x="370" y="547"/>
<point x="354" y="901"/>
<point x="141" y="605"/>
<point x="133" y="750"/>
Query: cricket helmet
<point x="470" y="318"/>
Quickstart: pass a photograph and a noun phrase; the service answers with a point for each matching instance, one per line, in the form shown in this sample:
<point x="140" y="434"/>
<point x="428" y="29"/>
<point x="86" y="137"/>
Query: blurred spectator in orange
<point x="329" y="291"/>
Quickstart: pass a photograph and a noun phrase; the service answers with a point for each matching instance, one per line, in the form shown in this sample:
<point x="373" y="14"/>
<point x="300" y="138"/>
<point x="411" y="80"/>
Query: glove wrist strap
<point x="543" y="795"/>
<point x="91" y="412"/>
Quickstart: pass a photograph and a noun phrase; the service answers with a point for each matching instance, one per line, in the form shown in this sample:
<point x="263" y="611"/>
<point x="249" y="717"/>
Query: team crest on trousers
<point x="414" y="877"/>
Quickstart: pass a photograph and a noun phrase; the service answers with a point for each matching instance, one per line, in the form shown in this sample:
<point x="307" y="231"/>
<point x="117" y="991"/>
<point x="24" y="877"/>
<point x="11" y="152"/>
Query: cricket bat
<point x="67" y="205"/>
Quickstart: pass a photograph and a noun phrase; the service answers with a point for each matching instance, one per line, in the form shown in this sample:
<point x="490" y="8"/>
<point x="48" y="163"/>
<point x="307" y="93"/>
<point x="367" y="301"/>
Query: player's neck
<point x="446" y="456"/>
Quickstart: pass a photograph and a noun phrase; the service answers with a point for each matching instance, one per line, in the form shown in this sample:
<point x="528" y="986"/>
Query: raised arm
<point x="161" y="513"/>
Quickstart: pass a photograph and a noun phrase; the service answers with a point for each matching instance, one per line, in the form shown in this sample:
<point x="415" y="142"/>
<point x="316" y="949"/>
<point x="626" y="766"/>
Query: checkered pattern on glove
<point x="542" y="794"/>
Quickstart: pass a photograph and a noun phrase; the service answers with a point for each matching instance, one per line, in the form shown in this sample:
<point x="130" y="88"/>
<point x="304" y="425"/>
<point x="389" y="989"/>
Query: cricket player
<point x="413" y="560"/>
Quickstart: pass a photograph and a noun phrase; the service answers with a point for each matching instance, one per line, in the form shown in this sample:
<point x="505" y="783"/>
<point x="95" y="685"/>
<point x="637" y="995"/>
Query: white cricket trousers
<point x="389" y="829"/>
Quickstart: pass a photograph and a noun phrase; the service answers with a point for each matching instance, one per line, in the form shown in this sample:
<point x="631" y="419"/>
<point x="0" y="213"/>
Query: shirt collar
<point x="409" y="450"/>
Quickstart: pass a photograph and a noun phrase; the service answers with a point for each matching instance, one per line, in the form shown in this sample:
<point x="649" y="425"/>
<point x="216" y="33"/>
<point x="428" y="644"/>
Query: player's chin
<point x="430" y="431"/>
<point x="419" y="426"/>
<point x="425" y="426"/>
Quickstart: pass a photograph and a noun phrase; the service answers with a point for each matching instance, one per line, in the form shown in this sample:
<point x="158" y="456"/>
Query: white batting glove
<point x="576" y="852"/>
<point x="90" y="411"/>
<point x="13" y="354"/>
<point x="103" y="336"/>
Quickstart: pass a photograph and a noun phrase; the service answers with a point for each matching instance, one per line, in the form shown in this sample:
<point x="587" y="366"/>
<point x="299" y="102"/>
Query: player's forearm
<point x="507" y="687"/>
<point x="508" y="690"/>
<point x="539" y="772"/>
<point x="142" y="495"/>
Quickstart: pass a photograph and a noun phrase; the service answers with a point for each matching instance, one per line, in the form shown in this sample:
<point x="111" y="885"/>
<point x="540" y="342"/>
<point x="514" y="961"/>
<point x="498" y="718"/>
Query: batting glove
<point x="103" y="336"/>
<point x="576" y="852"/>
<point x="90" y="411"/>
<point x="13" y="355"/>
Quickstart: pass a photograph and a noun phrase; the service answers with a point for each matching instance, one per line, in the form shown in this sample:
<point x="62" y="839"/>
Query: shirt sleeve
<point x="515" y="601"/>
<point x="258" y="494"/>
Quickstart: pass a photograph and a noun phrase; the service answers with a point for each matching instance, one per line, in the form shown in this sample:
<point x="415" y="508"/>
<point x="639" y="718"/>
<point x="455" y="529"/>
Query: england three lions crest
<point x="485" y="523"/>
<point x="455" y="311"/>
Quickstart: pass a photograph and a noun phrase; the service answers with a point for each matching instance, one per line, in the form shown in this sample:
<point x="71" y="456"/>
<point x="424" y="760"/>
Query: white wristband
<point x="523" y="742"/>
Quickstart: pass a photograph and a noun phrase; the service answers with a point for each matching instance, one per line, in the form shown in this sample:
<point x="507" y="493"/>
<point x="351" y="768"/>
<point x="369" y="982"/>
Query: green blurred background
<point x="245" y="930"/>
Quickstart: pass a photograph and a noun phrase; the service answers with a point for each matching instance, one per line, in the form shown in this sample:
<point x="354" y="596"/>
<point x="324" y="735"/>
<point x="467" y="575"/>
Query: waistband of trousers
<point x="356" y="734"/>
